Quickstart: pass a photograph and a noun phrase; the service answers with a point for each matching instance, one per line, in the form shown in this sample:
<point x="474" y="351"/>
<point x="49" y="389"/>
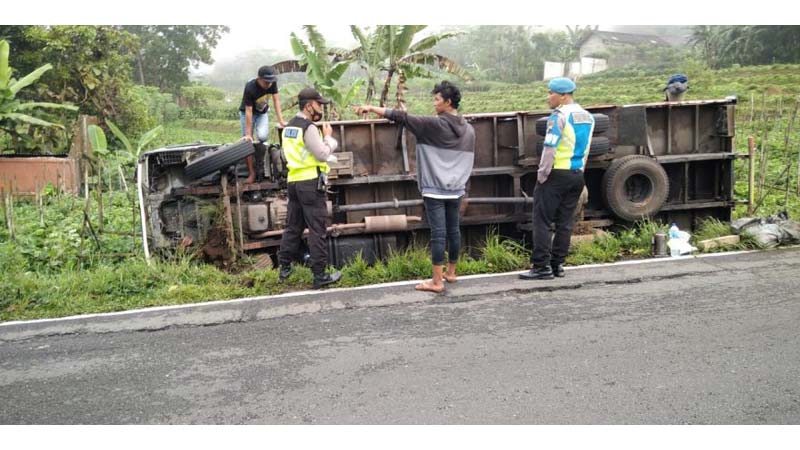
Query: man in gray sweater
<point x="445" y="153"/>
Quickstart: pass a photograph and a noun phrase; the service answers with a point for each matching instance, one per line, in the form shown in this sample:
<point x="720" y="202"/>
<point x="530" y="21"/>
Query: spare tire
<point x="600" y="146"/>
<point x="218" y="158"/>
<point x="601" y="123"/>
<point x="635" y="187"/>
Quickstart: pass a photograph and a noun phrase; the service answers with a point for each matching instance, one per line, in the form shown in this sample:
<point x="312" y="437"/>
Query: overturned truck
<point x="669" y="161"/>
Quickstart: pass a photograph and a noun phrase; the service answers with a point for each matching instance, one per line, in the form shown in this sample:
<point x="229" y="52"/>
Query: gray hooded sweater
<point x="445" y="151"/>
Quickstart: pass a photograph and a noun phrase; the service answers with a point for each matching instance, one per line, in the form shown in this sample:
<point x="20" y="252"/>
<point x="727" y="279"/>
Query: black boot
<point x="558" y="270"/>
<point x="541" y="273"/>
<point x="285" y="272"/>
<point x="325" y="279"/>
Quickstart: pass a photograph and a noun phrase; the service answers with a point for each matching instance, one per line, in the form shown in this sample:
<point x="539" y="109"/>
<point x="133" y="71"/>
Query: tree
<point x="703" y="38"/>
<point x="409" y="60"/>
<point x="369" y="56"/>
<point x="721" y="46"/>
<point x="314" y="58"/>
<point x="13" y="111"/>
<point x="166" y="52"/>
<point x="577" y="37"/>
<point x="91" y="69"/>
<point x="513" y="54"/>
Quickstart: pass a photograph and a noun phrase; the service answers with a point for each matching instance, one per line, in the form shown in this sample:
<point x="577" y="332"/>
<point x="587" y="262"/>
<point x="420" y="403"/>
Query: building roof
<point x="628" y="38"/>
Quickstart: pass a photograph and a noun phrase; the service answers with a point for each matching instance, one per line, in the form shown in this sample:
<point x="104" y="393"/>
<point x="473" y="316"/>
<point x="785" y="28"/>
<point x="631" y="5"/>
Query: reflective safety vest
<point x="569" y="130"/>
<point x="300" y="160"/>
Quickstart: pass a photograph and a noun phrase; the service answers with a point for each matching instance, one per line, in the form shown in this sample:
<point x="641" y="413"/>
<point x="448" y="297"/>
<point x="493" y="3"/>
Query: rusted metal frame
<point x="181" y="220"/>
<point x="478" y="220"/>
<point x="696" y="136"/>
<point x="480" y="172"/>
<point x="396" y="204"/>
<point x="495" y="140"/>
<point x="697" y="205"/>
<point x="671" y="159"/>
<point x="686" y="182"/>
<point x="264" y="243"/>
<point x="374" y="151"/>
<point x="404" y="148"/>
<point x="208" y="190"/>
<point x="372" y="147"/>
<point x="520" y="136"/>
<point x="669" y="129"/>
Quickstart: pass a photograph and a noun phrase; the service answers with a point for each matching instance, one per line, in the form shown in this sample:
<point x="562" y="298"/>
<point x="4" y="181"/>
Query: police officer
<point x="307" y="153"/>
<point x="559" y="180"/>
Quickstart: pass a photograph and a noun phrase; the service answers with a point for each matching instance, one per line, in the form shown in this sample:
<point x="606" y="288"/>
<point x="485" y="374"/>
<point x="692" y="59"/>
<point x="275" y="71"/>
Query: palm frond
<point x="290" y="65"/>
<point x="315" y="38"/>
<point x="439" y="61"/>
<point x="431" y="41"/>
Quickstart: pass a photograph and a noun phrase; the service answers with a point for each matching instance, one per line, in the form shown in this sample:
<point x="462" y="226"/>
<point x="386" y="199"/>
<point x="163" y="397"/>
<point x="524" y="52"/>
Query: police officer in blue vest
<point x="307" y="153"/>
<point x="559" y="180"/>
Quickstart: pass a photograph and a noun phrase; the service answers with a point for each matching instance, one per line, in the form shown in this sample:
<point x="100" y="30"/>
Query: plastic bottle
<point x="673" y="244"/>
<point x="674" y="232"/>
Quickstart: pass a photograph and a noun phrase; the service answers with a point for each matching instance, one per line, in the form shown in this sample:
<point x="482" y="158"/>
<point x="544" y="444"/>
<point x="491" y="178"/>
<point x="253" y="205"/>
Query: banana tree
<point x="12" y="110"/>
<point x="408" y="60"/>
<point x="130" y="153"/>
<point x="324" y="72"/>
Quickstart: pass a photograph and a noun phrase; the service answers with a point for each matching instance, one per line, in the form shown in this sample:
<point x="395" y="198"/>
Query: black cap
<point x="267" y="73"/>
<point x="311" y="94"/>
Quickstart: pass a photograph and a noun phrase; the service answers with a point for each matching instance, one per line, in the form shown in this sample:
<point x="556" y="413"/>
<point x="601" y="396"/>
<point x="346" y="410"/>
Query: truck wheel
<point x="218" y="158"/>
<point x="635" y="187"/>
<point x="599" y="146"/>
<point x="601" y="123"/>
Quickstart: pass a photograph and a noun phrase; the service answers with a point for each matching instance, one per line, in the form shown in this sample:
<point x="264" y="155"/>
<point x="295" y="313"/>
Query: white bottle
<point x="674" y="232"/>
<point x="674" y="240"/>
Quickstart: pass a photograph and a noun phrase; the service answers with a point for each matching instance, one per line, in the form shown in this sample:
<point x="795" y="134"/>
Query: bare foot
<point x="250" y="180"/>
<point x="450" y="278"/>
<point x="430" y="287"/>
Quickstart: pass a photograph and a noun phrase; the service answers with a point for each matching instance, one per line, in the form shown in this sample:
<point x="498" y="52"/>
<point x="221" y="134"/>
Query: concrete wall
<point x="27" y="175"/>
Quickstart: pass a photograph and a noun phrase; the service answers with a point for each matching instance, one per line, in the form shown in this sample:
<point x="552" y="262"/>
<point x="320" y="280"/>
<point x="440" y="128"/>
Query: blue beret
<point x="561" y="85"/>
<point x="678" y="78"/>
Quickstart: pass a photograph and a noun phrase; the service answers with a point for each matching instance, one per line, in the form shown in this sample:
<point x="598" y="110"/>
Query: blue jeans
<point x="442" y="217"/>
<point x="260" y="126"/>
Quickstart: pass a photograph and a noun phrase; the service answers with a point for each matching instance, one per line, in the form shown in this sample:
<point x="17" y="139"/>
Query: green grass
<point x="713" y="228"/>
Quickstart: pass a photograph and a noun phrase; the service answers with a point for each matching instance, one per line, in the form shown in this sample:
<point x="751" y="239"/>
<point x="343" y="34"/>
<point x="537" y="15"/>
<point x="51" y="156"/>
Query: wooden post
<point x="99" y="190"/>
<point x="228" y="216"/>
<point x="764" y="163"/>
<point x="122" y="177"/>
<point x="239" y="214"/>
<point x="788" y="152"/>
<point x="40" y="204"/>
<point x="751" y="174"/>
<point x="10" y="207"/>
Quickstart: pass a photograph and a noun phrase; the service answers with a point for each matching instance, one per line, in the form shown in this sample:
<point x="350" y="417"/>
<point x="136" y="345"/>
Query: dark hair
<point x="448" y="91"/>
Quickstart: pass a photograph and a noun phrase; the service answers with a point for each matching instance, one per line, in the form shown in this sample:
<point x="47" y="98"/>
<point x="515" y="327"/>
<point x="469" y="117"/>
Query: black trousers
<point x="306" y="209"/>
<point x="554" y="202"/>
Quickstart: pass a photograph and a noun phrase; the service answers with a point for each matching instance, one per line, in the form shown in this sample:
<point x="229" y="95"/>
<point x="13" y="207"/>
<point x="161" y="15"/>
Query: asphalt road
<point x="699" y="342"/>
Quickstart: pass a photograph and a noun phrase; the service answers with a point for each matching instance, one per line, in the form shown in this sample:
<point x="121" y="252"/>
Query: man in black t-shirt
<point x="254" y="110"/>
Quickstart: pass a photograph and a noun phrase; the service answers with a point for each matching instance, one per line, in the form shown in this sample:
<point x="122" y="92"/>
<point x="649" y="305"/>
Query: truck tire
<point x="635" y="187"/>
<point x="601" y="123"/>
<point x="218" y="158"/>
<point x="600" y="146"/>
